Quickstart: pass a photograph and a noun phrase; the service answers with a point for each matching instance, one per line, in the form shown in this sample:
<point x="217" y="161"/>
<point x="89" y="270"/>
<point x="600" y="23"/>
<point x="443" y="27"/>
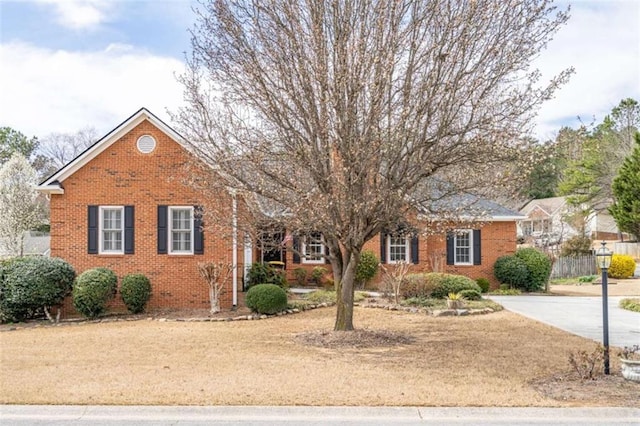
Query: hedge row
<point x="31" y="286"/>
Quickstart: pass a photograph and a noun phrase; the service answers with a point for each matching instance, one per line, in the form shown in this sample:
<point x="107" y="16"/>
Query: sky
<point x="71" y="64"/>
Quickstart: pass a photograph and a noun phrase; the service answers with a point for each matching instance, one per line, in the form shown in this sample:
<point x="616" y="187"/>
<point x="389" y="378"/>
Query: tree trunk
<point x="214" y="298"/>
<point x="344" y="293"/>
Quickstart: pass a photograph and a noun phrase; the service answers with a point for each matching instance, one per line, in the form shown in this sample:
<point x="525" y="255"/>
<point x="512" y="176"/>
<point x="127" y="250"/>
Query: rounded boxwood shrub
<point x="622" y="266"/>
<point x="135" y="291"/>
<point x="93" y="290"/>
<point x="367" y="268"/>
<point x="31" y="285"/>
<point x="448" y="283"/>
<point x="471" y="294"/>
<point x="511" y="270"/>
<point x="266" y="299"/>
<point x="484" y="284"/>
<point x="539" y="267"/>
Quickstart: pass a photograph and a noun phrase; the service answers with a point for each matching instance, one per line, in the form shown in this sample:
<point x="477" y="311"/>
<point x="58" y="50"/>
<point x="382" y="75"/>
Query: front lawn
<point x="486" y="360"/>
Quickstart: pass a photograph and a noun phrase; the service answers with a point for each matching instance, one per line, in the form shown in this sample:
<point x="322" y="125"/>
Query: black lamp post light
<point x="603" y="260"/>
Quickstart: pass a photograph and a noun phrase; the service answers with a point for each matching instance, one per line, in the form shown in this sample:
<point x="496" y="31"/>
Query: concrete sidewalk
<point x="578" y="315"/>
<point x="251" y="415"/>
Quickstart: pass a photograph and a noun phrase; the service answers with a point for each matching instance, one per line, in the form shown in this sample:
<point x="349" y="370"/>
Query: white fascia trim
<point x="109" y="140"/>
<point x="50" y="189"/>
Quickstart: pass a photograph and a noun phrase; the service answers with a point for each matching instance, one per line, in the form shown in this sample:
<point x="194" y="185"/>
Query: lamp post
<point x="603" y="260"/>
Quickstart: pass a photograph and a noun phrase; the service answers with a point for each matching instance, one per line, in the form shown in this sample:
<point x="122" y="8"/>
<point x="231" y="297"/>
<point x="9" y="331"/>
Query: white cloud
<point x="46" y="91"/>
<point x="602" y="43"/>
<point x="80" y="14"/>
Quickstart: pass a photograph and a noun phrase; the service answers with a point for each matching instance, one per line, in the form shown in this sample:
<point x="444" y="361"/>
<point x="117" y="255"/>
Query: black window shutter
<point x="383" y="247"/>
<point x="296" y="250"/>
<point x="92" y="240"/>
<point x="451" y="253"/>
<point x="162" y="229"/>
<point x="198" y="231"/>
<point x="477" y="247"/>
<point x="129" y="220"/>
<point x="415" y="257"/>
<point x="326" y="254"/>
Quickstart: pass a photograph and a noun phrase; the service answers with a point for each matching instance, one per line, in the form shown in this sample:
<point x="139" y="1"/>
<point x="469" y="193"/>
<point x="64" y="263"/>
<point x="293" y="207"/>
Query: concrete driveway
<point x="578" y="315"/>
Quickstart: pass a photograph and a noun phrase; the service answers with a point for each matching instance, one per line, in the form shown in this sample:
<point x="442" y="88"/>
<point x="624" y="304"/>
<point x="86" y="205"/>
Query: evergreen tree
<point x="626" y="191"/>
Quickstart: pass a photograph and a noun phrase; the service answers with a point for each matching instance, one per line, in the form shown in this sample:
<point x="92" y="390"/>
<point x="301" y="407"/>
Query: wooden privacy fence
<point x="574" y="266"/>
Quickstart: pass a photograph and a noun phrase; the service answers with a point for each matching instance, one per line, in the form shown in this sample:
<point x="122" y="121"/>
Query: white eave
<point x="53" y="184"/>
<point x="54" y="188"/>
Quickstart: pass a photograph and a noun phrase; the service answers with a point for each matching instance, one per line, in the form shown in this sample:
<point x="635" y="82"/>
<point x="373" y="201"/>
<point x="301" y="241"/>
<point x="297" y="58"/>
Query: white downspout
<point x="234" y="253"/>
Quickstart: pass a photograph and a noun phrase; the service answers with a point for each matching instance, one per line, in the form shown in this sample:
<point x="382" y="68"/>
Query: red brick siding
<point x="121" y="175"/>
<point x="498" y="239"/>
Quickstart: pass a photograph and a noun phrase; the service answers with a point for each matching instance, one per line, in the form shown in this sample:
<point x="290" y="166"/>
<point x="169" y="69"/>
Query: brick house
<point x="126" y="204"/>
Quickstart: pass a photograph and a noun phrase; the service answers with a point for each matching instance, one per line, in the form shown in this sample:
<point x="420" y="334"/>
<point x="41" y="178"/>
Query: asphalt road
<point x="144" y="415"/>
<point x="578" y="315"/>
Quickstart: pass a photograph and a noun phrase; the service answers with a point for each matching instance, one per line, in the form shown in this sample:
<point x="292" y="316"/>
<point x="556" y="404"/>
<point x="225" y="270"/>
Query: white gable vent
<point x="146" y="144"/>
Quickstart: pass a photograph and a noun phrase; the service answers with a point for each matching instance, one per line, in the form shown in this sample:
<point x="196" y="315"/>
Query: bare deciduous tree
<point x="349" y="114"/>
<point x="395" y="278"/>
<point x="61" y="148"/>
<point x="20" y="210"/>
<point x="217" y="275"/>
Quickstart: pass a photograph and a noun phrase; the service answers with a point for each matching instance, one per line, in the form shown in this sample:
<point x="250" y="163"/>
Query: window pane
<point x="314" y="248"/>
<point x="181" y="227"/>
<point x="397" y="249"/>
<point x="181" y="219"/>
<point x="111" y="229"/>
<point x="463" y="247"/>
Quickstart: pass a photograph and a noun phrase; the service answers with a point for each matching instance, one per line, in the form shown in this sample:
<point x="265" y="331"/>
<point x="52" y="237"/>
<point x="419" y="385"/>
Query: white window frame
<point x="458" y="233"/>
<point x="171" y="230"/>
<point x="101" y="229"/>
<point x="304" y="246"/>
<point x="407" y="249"/>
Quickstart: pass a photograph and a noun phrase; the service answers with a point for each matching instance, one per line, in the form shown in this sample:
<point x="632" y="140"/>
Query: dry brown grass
<point x="487" y="360"/>
<point x="628" y="287"/>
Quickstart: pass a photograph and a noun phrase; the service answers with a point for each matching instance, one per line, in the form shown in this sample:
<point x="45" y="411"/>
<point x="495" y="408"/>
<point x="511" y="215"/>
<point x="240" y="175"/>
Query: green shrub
<point x="135" y="291"/>
<point x="266" y="299"/>
<point x="484" y="284"/>
<point x="31" y="285"/>
<point x="470" y="294"/>
<point x="94" y="288"/>
<point x="511" y="270"/>
<point x="576" y="246"/>
<point x="300" y="275"/>
<point x="539" y="267"/>
<point x="622" y="266"/>
<point x="418" y="286"/>
<point x="367" y="268"/>
<point x="317" y="275"/>
<point x="586" y="279"/>
<point x="630" y="304"/>
<point x="447" y="283"/>
<point x="263" y="273"/>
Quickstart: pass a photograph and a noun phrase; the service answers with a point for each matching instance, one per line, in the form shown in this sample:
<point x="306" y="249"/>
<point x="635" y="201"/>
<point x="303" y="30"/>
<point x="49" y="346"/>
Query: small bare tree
<point x="395" y="278"/>
<point x="349" y="115"/>
<point x="20" y="210"/>
<point x="217" y="275"/>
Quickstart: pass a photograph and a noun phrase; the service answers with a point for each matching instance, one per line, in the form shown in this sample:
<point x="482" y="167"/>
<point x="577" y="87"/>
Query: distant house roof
<point x="52" y="184"/>
<point x="549" y="206"/>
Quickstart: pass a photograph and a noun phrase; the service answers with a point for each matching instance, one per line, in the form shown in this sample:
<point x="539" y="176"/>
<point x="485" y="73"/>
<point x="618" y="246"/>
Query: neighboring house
<point x="126" y="203"/>
<point x="550" y="222"/>
<point x="546" y="221"/>
<point x="34" y="243"/>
